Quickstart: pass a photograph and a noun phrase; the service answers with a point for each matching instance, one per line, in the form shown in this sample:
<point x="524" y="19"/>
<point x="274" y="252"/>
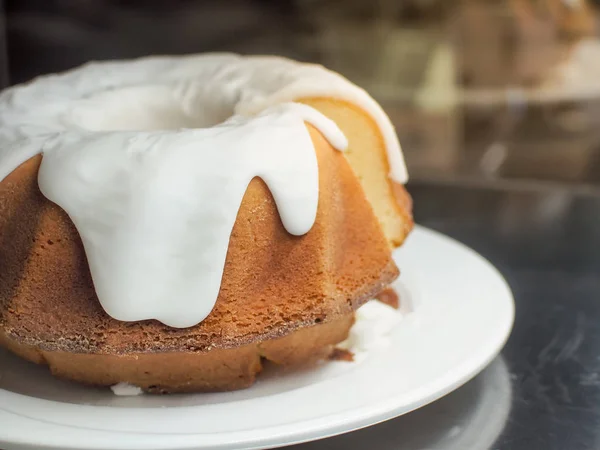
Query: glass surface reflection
<point x="471" y="418"/>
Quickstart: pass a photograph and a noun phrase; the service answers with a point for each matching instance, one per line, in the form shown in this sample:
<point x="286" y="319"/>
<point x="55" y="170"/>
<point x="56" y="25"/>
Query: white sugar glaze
<point x="155" y="207"/>
<point x="155" y="210"/>
<point x="170" y="92"/>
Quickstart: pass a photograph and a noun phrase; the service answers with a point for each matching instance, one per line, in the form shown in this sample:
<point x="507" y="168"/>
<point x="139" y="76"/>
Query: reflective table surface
<point x="543" y="392"/>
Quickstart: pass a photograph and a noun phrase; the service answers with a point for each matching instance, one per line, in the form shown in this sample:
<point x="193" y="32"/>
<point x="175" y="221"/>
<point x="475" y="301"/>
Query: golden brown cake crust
<point x="285" y="298"/>
<point x="273" y="283"/>
<point x="188" y="371"/>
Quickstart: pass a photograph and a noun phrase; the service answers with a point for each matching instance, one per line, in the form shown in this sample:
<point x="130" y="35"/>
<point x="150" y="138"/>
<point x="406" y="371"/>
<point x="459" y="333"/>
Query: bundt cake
<point x="171" y="222"/>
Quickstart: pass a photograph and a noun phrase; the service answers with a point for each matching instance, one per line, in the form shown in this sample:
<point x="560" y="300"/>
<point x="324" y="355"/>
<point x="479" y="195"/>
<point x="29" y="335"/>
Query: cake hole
<point x="50" y="242"/>
<point x="145" y="108"/>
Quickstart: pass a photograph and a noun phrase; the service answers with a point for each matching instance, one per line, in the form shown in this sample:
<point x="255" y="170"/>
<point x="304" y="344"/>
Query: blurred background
<point x="497" y="105"/>
<point x="480" y="91"/>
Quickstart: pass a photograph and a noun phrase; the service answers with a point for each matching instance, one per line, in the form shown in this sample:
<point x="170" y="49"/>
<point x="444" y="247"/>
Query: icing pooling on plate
<point x="155" y="210"/>
<point x="155" y="207"/>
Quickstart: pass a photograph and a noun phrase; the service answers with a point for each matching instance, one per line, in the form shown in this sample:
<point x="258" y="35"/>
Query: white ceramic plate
<point x="462" y="313"/>
<point x="472" y="417"/>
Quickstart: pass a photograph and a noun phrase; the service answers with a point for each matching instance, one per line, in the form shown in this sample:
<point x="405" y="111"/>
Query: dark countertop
<point x="544" y="240"/>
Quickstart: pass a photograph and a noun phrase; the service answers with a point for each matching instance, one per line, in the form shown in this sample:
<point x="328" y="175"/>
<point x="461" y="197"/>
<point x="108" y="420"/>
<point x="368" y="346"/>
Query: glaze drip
<point x="155" y="210"/>
<point x="155" y="207"/>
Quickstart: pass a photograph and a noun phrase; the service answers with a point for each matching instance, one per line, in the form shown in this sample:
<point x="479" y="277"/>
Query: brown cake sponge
<point x="288" y="299"/>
